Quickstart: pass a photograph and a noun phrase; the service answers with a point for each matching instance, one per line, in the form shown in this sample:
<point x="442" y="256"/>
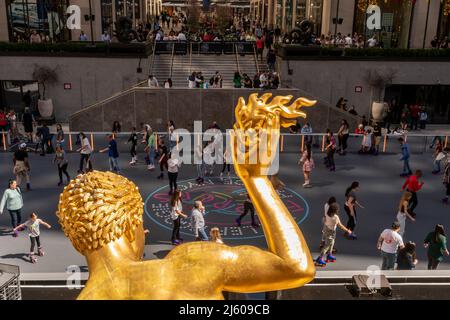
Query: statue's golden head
<point x="98" y="208"/>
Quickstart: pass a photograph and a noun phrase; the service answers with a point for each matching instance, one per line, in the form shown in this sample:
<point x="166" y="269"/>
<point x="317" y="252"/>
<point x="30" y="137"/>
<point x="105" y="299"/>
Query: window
<point x="289" y="10"/>
<point x="46" y="17"/>
<point x="107" y="18"/>
<point x="395" y="21"/>
<point x="312" y="11"/>
<point x="444" y="20"/>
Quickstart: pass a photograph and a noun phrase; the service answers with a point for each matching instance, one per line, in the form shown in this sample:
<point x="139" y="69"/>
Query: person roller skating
<point x="33" y="227"/>
<point x="331" y="222"/>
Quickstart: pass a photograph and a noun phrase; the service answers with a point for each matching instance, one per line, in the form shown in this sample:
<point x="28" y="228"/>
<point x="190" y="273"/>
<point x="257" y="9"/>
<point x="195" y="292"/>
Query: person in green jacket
<point x="436" y="243"/>
<point x="237" y="80"/>
<point x="12" y="199"/>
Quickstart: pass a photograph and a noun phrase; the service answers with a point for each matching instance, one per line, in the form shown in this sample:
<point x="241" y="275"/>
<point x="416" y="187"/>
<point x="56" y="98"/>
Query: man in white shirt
<point x="389" y="243"/>
<point x="348" y="41"/>
<point x="198" y="221"/>
<point x="106" y="37"/>
<point x="181" y="36"/>
<point x="152" y="82"/>
<point x="372" y="42"/>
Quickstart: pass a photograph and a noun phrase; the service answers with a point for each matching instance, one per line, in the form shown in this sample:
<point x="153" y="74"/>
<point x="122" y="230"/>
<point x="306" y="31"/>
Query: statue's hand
<point x="257" y="131"/>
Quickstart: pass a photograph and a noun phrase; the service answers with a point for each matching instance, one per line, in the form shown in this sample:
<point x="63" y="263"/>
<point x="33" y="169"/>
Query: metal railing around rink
<point x="289" y="142"/>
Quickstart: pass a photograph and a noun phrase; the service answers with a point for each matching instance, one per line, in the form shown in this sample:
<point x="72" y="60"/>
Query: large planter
<point x="45" y="108"/>
<point x="377" y="111"/>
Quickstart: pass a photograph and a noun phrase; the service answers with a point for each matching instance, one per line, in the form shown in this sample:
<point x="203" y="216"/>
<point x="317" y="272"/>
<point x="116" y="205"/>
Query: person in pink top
<point x="308" y="165"/>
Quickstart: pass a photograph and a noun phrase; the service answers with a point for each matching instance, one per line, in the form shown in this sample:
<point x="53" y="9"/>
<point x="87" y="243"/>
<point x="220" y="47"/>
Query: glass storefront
<point x="432" y="97"/>
<point x="312" y="11"/>
<point x="395" y="21"/>
<point x="444" y="20"/>
<point x="107" y="16"/>
<point x="279" y="12"/>
<point x="46" y="17"/>
<point x="288" y="17"/>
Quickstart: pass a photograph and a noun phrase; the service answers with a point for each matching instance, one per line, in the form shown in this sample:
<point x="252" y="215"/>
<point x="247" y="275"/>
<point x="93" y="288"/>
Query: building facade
<point x="403" y="23"/>
<point x="19" y="17"/>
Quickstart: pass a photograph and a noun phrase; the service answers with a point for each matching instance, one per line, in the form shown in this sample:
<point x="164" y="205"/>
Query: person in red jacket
<point x="413" y="184"/>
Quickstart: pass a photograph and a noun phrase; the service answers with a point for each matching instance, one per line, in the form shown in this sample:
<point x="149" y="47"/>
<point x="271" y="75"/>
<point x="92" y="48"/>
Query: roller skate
<point x="33" y="259"/>
<point x="40" y="252"/>
<point x="330" y="258"/>
<point x="319" y="262"/>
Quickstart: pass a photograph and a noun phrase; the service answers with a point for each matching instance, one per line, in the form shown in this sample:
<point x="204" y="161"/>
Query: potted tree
<point x="378" y="80"/>
<point x="45" y="76"/>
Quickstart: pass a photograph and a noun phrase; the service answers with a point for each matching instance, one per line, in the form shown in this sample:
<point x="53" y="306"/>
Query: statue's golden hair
<point x="99" y="207"/>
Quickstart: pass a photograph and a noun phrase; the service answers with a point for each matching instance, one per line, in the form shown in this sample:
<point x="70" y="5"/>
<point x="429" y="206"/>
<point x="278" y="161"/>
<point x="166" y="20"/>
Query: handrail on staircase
<point x="171" y="60"/>
<point x="256" y="59"/>
<point x="237" y="58"/>
<point x="150" y="71"/>
<point x="190" y="59"/>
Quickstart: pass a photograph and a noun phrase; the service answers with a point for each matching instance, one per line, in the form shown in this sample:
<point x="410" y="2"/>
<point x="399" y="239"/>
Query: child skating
<point x="33" y="227"/>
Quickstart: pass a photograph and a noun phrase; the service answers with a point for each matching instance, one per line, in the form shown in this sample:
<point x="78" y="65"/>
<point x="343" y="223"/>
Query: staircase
<point x="160" y="68"/>
<point x="179" y="67"/>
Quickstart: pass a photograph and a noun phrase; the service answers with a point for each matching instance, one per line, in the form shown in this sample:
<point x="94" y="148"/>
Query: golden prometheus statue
<point x="101" y="213"/>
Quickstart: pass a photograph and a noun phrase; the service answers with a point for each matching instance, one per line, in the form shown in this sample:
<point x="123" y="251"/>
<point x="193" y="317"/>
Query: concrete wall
<point x="346" y="12"/>
<point x="184" y="106"/>
<point x="330" y="80"/>
<point x="3" y="22"/>
<point x="92" y="79"/>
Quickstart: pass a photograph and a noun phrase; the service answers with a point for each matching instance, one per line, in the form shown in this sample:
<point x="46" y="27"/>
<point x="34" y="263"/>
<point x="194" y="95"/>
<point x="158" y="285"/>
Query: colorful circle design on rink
<point x="224" y="202"/>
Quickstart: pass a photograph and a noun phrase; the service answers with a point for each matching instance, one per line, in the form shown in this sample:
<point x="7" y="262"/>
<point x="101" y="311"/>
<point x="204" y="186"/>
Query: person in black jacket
<point x="27" y="121"/>
<point x="406" y="259"/>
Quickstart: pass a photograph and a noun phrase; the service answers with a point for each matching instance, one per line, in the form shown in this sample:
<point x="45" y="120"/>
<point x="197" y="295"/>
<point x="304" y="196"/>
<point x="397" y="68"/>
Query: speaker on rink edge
<point x="360" y="286"/>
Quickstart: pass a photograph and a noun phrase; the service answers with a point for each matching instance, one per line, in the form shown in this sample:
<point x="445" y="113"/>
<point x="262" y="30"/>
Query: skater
<point x="163" y="158"/>
<point x="12" y="199"/>
<point x="113" y="154"/>
<point x="407" y="259"/>
<point x="308" y="166"/>
<point x="200" y="164"/>
<point x="208" y="157"/>
<point x="176" y="213"/>
<point x="403" y="212"/>
<point x="413" y="184"/>
<point x="33" y="227"/>
<point x="173" y="165"/>
<point x="388" y="243"/>
<point x="226" y="163"/>
<point x="438" y="156"/>
<point x="151" y="148"/>
<point x="133" y="139"/>
<point x="446" y="178"/>
<point x="198" y="221"/>
<point x="85" y="154"/>
<point x="330" y="150"/>
<point x="326" y="208"/>
<point x="22" y="166"/>
<point x="343" y="135"/>
<point x="331" y="222"/>
<point x="170" y="130"/>
<point x="350" y="208"/>
<point x="248" y="206"/>
<point x="215" y="236"/>
<point x="376" y="138"/>
<point x="436" y="245"/>
<point x="405" y="158"/>
<point x="62" y="163"/>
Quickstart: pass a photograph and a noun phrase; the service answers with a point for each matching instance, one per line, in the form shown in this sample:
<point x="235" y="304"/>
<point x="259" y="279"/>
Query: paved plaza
<point x="379" y="193"/>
